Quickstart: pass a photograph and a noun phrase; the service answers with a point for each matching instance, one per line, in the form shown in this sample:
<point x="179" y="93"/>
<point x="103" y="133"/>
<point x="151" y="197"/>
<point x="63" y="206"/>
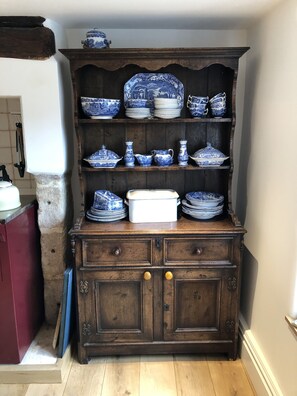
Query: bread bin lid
<point x="151" y="194"/>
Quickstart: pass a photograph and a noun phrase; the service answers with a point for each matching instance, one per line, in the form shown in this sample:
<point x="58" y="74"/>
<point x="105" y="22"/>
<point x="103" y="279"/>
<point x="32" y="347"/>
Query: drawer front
<point x="117" y="252"/>
<point x="179" y="251"/>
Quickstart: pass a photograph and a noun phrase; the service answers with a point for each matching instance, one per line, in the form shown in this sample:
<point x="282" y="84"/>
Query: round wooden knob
<point x="117" y="251"/>
<point x="198" y="251"/>
<point x="168" y="275"/>
<point x="147" y="275"/>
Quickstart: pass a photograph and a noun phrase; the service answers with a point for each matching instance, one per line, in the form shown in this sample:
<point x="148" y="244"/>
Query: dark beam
<point x="25" y="38"/>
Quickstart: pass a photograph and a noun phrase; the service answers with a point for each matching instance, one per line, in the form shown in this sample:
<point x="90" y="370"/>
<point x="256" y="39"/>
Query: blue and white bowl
<point x="204" y="199"/>
<point x="100" y="108"/>
<point x="144" y="159"/>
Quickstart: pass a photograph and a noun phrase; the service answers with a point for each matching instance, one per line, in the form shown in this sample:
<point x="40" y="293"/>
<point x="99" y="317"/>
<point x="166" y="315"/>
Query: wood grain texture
<point x="168" y="375"/>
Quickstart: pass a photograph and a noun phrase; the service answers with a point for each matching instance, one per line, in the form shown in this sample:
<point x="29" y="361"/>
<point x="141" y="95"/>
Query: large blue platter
<point x="153" y="85"/>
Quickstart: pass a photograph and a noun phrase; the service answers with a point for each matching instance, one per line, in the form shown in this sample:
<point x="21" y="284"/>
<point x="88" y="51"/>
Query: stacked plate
<point x="203" y="205"/>
<point x="138" y="112"/>
<point x="106" y="207"/>
<point x="167" y="108"/>
<point x="106" y="216"/>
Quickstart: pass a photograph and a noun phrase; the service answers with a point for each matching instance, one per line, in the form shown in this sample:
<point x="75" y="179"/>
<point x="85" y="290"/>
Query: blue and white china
<point x="204" y="199"/>
<point x="163" y="151"/>
<point x="197" y="100"/>
<point x="201" y="214"/>
<point x="218" y="97"/>
<point x="163" y="159"/>
<point x="188" y="205"/>
<point x="103" y="158"/>
<point x="183" y="155"/>
<point x="166" y="103"/>
<point x="154" y="85"/>
<point x="129" y="158"/>
<point x="218" y="112"/>
<point x="209" y="156"/>
<point x="114" y="216"/>
<point x="144" y="159"/>
<point x="107" y="200"/>
<point x="167" y="113"/>
<point x="138" y="103"/>
<point x="95" y="39"/>
<point x="203" y="205"/>
<point x="198" y="111"/>
<point x="100" y="108"/>
<point x="218" y="105"/>
<point x="138" y="112"/>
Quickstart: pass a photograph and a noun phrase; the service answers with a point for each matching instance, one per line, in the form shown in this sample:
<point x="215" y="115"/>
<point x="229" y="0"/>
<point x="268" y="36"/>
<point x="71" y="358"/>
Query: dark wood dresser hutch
<point x="156" y="287"/>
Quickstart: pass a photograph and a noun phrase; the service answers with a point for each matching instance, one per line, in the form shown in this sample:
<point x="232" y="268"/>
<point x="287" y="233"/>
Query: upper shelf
<point x="154" y="58"/>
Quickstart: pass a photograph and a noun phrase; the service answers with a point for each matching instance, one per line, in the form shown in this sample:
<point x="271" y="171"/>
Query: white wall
<point x="39" y="85"/>
<point x="267" y="191"/>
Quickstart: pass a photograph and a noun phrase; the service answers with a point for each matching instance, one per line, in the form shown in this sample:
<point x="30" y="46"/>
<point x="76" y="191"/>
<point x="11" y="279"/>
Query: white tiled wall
<point x="8" y="154"/>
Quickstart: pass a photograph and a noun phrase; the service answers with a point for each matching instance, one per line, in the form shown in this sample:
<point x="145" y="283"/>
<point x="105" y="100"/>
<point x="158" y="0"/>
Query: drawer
<point x="117" y="252"/>
<point x="179" y="251"/>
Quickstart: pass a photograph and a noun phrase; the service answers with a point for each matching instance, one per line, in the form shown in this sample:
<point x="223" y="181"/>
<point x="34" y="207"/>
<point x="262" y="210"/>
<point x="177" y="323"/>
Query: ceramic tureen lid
<point x="208" y="152"/>
<point x="103" y="154"/>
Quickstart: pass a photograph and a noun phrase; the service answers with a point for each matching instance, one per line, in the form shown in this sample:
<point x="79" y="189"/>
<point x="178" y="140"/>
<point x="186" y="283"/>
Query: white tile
<point x="14" y="105"/>
<point x="3" y="105"/>
<point x="5" y="156"/>
<point x="4" y="124"/>
<point x="5" y="139"/>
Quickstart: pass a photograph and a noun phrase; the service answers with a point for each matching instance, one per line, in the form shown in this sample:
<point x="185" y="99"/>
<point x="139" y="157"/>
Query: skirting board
<point x="255" y="363"/>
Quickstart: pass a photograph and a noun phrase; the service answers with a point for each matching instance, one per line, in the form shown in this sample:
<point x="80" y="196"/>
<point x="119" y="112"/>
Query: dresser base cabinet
<point x="178" y="292"/>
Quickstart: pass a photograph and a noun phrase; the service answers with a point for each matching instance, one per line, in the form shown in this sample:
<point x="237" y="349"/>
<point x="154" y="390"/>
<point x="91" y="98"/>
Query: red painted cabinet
<point x="21" y="282"/>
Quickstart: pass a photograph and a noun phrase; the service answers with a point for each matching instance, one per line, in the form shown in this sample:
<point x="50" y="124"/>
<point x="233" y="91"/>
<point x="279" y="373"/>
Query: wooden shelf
<point x="171" y="168"/>
<point x="154" y="120"/>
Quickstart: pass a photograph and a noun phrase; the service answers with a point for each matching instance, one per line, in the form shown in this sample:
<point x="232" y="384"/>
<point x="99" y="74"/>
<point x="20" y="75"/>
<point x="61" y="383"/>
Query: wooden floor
<point x="170" y="375"/>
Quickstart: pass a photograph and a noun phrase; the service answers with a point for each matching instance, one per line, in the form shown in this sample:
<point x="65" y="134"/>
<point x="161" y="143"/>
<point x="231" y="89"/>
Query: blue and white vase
<point x="183" y="156"/>
<point x="129" y="155"/>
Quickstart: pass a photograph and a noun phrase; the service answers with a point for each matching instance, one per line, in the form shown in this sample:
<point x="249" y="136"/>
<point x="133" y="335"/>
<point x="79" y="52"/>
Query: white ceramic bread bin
<point x="146" y="206"/>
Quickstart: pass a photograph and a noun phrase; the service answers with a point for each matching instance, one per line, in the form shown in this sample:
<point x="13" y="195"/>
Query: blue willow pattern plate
<point x="153" y="85"/>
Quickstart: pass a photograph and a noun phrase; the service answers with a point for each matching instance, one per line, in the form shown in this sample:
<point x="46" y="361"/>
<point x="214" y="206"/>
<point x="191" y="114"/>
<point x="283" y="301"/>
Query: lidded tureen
<point x="209" y="156"/>
<point x="103" y="158"/>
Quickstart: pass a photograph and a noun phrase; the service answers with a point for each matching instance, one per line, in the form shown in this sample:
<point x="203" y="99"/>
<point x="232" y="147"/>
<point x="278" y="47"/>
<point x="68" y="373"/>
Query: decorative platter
<point x="153" y="85"/>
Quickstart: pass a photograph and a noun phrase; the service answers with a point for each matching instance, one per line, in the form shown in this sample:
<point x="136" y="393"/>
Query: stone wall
<point x="55" y="214"/>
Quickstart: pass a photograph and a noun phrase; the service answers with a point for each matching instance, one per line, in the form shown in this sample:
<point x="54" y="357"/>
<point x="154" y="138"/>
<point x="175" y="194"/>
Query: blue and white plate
<point x="112" y="217"/>
<point x="153" y="85"/>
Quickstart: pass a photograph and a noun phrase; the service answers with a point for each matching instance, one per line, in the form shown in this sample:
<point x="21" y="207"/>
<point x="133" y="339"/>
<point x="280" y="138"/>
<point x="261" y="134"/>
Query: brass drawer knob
<point x="147" y="275"/>
<point x="168" y="275"/>
<point x="117" y="251"/>
<point x="198" y="251"/>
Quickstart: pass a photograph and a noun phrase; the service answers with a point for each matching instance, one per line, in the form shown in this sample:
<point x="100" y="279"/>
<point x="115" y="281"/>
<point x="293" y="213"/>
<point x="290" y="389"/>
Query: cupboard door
<point x="115" y="306"/>
<point x="200" y="305"/>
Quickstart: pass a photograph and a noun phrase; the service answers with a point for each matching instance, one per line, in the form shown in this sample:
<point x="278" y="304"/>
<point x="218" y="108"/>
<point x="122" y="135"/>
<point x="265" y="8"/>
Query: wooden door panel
<point x="118" y="306"/>
<point x="199" y="305"/>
